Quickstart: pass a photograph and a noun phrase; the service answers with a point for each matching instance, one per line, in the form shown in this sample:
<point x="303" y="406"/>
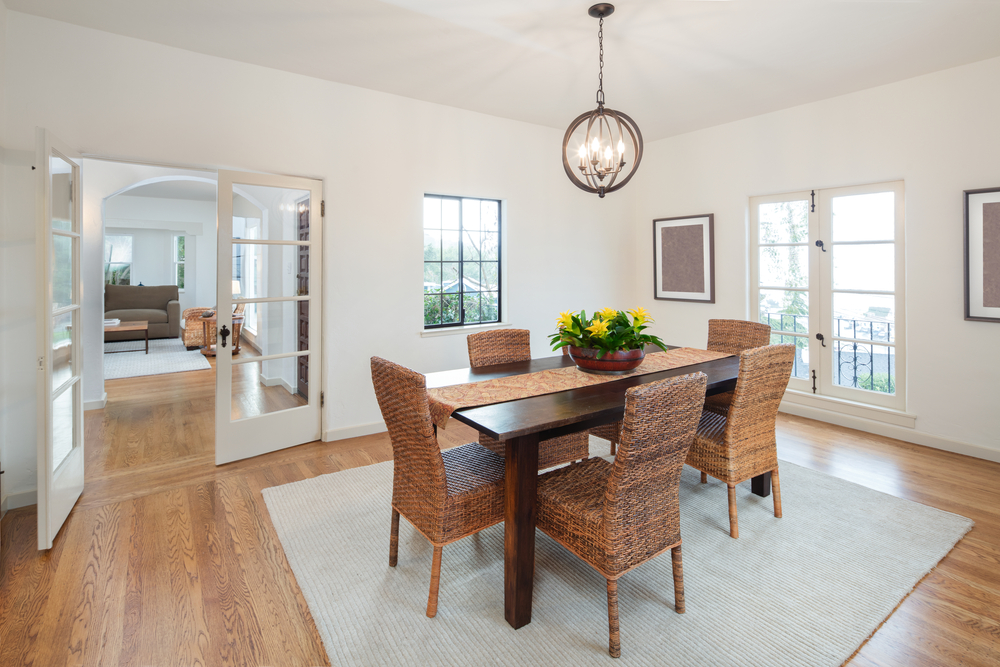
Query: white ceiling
<point x="178" y="189"/>
<point x="673" y="65"/>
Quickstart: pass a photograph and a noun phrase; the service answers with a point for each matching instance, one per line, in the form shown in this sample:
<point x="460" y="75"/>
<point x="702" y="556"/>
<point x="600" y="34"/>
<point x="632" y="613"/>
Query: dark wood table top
<point x="565" y="411"/>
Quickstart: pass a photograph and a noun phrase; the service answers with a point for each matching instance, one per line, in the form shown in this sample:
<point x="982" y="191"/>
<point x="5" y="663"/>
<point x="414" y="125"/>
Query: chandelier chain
<point x="600" y="74"/>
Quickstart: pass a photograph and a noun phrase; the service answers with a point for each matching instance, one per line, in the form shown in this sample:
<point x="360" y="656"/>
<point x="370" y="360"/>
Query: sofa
<point x="156" y="304"/>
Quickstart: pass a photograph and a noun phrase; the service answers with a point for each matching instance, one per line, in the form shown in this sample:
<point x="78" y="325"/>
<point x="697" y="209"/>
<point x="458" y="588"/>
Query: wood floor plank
<point x="169" y="559"/>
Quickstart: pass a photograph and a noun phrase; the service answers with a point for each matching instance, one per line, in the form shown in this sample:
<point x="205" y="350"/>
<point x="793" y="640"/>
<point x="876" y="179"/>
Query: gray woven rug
<point x="166" y="355"/>
<point x="804" y="590"/>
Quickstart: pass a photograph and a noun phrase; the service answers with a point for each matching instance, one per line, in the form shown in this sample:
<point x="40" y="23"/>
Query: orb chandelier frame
<point x="599" y="170"/>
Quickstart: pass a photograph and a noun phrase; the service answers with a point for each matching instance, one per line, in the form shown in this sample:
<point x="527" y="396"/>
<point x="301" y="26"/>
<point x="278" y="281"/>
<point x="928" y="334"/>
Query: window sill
<point x="467" y="329"/>
<point x="844" y="407"/>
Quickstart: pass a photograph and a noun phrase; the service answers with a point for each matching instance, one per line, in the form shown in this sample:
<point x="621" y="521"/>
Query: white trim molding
<point x="465" y="329"/>
<point x="846" y="407"/>
<point x="14" y="501"/>
<point x="353" y="431"/>
<point x="889" y="430"/>
<point x="99" y="404"/>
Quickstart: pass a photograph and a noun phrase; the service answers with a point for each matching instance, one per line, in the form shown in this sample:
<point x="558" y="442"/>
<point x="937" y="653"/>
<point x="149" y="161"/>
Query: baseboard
<point x="15" y="500"/>
<point x="892" y="431"/>
<point x="277" y="382"/>
<point x="96" y="405"/>
<point x="353" y="431"/>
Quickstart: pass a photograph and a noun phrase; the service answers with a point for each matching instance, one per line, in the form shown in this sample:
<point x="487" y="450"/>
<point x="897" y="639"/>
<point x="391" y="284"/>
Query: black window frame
<point x="463" y="320"/>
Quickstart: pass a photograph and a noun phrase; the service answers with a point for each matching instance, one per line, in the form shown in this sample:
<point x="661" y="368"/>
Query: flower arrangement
<point x="607" y="331"/>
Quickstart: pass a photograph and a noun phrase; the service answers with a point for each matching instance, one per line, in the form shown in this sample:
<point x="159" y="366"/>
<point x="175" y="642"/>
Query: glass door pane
<point x="783" y="274"/>
<point x="863" y="270"/>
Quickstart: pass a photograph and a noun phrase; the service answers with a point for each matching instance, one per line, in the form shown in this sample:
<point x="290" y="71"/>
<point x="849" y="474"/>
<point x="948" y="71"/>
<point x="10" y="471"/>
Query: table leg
<point x="147" y="340"/>
<point x="761" y="485"/>
<point x="521" y="472"/>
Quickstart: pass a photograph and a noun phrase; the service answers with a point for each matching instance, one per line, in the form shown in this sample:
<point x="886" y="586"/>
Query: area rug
<point x="804" y="590"/>
<point x="166" y="355"/>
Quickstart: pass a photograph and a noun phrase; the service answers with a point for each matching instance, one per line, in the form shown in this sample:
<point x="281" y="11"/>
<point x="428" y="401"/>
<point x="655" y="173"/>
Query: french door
<point x="827" y="274"/>
<point x="60" y="390"/>
<point x="269" y="394"/>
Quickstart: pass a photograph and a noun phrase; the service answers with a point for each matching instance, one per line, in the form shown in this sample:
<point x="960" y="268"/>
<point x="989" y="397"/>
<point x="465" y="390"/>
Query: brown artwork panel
<point x="991" y="255"/>
<point x="683" y="253"/>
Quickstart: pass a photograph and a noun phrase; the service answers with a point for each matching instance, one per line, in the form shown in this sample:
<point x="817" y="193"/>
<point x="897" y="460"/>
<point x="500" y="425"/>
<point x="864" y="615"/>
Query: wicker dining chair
<point x="445" y="495"/>
<point x="193" y="333"/>
<point x="506" y="346"/>
<point x="741" y="444"/>
<point x="611" y="432"/>
<point x="733" y="337"/>
<point x="616" y="516"/>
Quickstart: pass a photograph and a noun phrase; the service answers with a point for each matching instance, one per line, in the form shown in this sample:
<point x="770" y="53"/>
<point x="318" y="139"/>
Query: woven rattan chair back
<point x="641" y="509"/>
<point x="417" y="468"/>
<point x="734" y="336"/>
<point x="500" y="346"/>
<point x="764" y="375"/>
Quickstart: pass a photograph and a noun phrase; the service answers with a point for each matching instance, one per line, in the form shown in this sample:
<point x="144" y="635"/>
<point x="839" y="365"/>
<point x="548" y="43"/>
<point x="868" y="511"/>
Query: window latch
<point x="819" y="244"/>
<point x="821" y="339"/>
<point x="814" y="381"/>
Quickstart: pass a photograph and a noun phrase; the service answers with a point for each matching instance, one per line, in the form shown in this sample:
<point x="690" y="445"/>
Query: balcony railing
<point x="855" y="363"/>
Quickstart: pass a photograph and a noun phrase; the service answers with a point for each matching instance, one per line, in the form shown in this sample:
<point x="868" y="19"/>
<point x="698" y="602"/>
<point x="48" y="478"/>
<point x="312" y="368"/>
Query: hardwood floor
<point x="170" y="560"/>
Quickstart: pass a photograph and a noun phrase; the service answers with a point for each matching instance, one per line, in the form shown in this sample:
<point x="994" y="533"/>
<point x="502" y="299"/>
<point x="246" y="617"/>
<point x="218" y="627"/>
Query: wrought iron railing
<point x="856" y="364"/>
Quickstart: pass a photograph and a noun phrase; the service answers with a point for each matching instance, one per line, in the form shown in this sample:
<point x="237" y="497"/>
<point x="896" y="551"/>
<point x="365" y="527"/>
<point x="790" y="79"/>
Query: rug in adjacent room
<point x="802" y="591"/>
<point x="166" y="355"/>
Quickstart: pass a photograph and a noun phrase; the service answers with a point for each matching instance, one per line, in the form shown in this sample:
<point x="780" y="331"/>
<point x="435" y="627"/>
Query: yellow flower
<point x="640" y="315"/>
<point x="565" y="320"/>
<point x="608" y="314"/>
<point x="598" y="329"/>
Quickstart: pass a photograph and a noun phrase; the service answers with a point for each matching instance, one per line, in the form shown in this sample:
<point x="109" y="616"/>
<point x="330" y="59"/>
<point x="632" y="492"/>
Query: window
<point x="827" y="266"/>
<point x="461" y="261"/>
<point x="178" y="248"/>
<point x="118" y="260"/>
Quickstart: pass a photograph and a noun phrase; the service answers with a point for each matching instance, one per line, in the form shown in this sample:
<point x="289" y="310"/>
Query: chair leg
<point x="704" y="478"/>
<point x="432" y="598"/>
<point x="776" y="490"/>
<point x="675" y="556"/>
<point x="614" y="641"/>
<point x="734" y="527"/>
<point x="394" y="539"/>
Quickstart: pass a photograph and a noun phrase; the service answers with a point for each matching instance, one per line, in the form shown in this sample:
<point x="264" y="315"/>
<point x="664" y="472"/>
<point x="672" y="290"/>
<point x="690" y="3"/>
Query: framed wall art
<point x="684" y="258"/>
<point x="982" y="255"/>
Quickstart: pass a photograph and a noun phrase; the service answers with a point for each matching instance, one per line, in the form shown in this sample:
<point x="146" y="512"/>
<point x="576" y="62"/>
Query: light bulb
<point x="621" y="147"/>
<point x="607" y="153"/>
<point x="594" y="146"/>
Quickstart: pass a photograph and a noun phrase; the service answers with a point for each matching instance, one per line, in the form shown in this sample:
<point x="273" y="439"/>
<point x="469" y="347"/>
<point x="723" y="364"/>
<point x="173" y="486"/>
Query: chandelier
<point x="603" y="141"/>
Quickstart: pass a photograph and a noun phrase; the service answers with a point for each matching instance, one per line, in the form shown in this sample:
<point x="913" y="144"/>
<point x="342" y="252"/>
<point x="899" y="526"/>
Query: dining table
<point x="521" y="424"/>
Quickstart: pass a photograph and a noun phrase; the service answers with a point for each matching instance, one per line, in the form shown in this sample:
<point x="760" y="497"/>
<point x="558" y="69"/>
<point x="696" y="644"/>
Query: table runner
<point x="445" y="400"/>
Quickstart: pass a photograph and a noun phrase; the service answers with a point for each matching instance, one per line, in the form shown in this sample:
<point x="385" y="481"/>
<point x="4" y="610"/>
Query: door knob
<point x="224" y="332"/>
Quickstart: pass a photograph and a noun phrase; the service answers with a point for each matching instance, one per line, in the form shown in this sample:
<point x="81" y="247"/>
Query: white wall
<point x="938" y="133"/>
<point x="156" y="221"/>
<point x="6" y="381"/>
<point x="377" y="155"/>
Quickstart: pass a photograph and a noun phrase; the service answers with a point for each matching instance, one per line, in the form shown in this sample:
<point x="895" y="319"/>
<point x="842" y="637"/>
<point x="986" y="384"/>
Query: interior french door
<point x="60" y="390"/>
<point x="269" y="395"/>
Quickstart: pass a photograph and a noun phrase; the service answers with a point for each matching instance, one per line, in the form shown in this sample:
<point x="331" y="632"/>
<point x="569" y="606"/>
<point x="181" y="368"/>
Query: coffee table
<point x="130" y="326"/>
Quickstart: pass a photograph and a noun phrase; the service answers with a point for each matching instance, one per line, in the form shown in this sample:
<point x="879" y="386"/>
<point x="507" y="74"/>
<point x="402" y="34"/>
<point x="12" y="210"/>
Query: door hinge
<point x="322" y="208"/>
<point x="322" y="398"/>
<point x="814" y="382"/>
<point x="41" y="364"/>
